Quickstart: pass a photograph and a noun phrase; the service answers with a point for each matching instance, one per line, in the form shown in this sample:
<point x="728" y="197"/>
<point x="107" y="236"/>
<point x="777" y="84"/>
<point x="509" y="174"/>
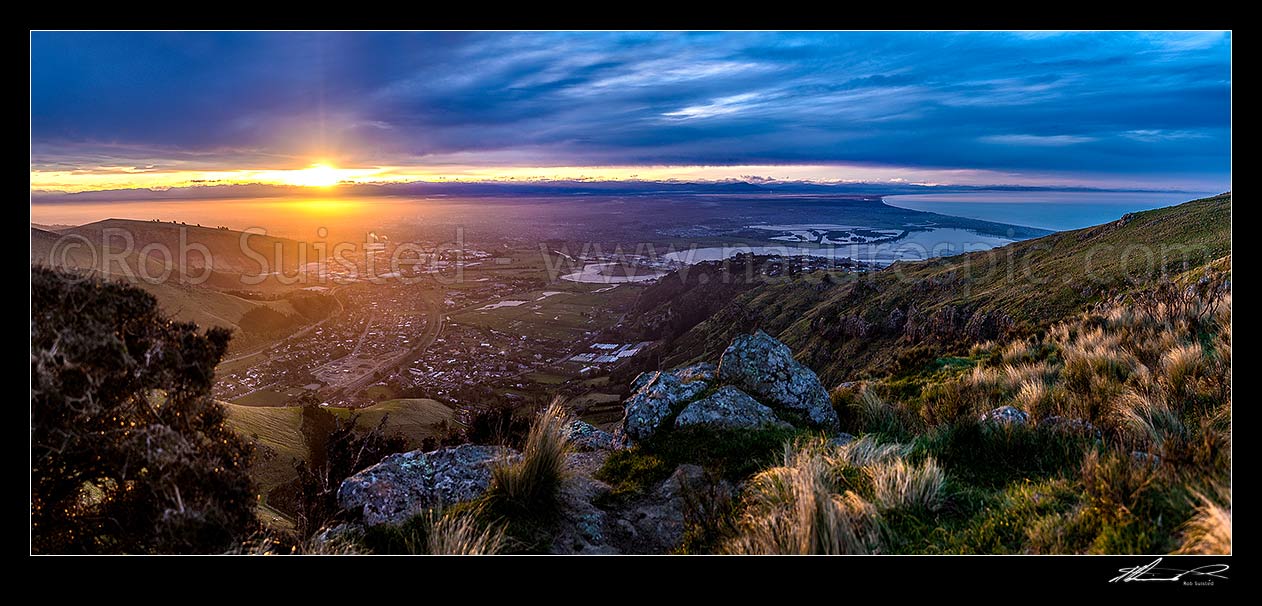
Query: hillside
<point x="861" y="324"/>
<point x="253" y="321"/>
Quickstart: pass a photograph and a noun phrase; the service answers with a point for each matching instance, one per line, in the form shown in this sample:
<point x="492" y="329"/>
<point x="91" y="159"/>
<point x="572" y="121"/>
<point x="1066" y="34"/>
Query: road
<point x="433" y="328"/>
<point x="297" y="335"/>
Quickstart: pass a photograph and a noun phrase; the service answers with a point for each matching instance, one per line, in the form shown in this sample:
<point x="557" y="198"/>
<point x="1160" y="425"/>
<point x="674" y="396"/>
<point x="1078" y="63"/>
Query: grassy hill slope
<point x="862" y="325"/>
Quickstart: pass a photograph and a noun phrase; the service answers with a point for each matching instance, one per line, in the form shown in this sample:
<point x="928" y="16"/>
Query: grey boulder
<point x="657" y="399"/>
<point x="764" y="367"/>
<point x="1006" y="415"/>
<point x="728" y="408"/>
<point x="585" y="436"/>
<point x="405" y="484"/>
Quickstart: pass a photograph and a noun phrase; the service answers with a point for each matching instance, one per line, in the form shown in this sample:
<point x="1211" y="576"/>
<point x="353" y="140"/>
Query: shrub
<point x="129" y="453"/>
<point x="336" y="451"/>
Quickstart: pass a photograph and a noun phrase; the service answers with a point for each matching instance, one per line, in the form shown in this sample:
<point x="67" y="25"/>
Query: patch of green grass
<point x="990" y="455"/>
<point x="379" y="393"/>
<point x="633" y="471"/>
<point x="266" y="398"/>
<point x="1001" y="522"/>
<point x="731" y="454"/>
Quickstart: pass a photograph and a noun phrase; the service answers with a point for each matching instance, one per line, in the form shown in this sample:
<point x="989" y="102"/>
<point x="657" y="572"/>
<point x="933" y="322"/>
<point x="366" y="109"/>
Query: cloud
<point x="1038" y="140"/>
<point x="1129" y="104"/>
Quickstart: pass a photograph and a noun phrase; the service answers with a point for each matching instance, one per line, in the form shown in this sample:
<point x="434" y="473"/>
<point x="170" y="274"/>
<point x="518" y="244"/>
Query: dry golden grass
<point x="792" y="509"/>
<point x="1209" y="530"/>
<point x="462" y="534"/>
<point x="1182" y="365"/>
<point x="1150" y="419"/>
<point x="531" y="482"/>
<point x="864" y="452"/>
<point x="898" y="484"/>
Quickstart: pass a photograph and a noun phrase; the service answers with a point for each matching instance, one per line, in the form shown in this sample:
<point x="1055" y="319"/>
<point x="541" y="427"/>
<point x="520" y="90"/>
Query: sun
<point x="319" y="175"/>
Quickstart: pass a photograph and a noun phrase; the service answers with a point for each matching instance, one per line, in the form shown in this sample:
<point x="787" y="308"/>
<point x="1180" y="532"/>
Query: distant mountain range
<point x="536" y="188"/>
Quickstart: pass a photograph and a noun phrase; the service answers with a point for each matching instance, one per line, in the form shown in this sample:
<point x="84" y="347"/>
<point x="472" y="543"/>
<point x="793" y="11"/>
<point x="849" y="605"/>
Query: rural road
<point x="434" y="311"/>
<point x="301" y="333"/>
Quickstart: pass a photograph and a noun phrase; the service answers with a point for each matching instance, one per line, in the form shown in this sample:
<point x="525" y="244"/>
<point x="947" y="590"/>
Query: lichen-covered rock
<point x="659" y="398"/>
<point x="642" y="379"/>
<point x="763" y="367"/>
<point x="405" y="484"/>
<point x="654" y="522"/>
<point x="840" y="440"/>
<point x="701" y="371"/>
<point x="1072" y="426"/>
<point x="585" y="436"/>
<point x="581" y="525"/>
<point x="1006" y="415"/>
<point x="728" y="408"/>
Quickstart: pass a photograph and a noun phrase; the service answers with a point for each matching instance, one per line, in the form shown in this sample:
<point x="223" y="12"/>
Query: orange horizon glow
<point x="322" y="174"/>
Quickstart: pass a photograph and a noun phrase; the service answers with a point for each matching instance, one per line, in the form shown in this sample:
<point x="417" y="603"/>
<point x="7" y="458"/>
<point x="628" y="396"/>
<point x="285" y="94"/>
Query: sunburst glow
<point x="319" y="175"/>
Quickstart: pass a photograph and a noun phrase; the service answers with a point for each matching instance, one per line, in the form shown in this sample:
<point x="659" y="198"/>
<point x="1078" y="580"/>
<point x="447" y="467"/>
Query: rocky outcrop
<point x="1006" y="416"/>
<point x="654" y="522"/>
<point x="642" y="379"/>
<point x="659" y="398"/>
<point x="648" y="523"/>
<point x="582" y="525"/>
<point x="405" y="484"/>
<point x="701" y="371"/>
<point x="728" y="408"/>
<point x="585" y="436"/>
<point x="763" y="367"/>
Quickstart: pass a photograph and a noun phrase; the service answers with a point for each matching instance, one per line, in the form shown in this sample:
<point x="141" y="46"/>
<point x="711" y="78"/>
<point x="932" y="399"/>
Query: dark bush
<point x="336" y="451"/>
<point x="129" y="453"/>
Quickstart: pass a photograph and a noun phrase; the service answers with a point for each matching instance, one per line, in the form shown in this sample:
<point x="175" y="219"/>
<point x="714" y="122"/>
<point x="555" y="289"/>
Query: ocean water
<point x="1057" y="211"/>
<point x="917" y="246"/>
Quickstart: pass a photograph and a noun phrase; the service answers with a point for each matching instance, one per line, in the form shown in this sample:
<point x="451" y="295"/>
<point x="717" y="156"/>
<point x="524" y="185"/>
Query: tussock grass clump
<point x="1182" y="366"/>
<point x="1150" y="420"/>
<point x="1209" y="530"/>
<point x="463" y="534"/>
<point x="460" y="530"/>
<point x="873" y="414"/>
<point x="1114" y="483"/>
<point x="825" y="499"/>
<point x="864" y="452"/>
<point x="792" y="509"/>
<point x="897" y="484"/>
<point x="530" y="484"/>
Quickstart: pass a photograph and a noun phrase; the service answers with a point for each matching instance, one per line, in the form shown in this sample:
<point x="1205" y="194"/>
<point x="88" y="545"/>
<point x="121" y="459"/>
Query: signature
<point x="1151" y="572"/>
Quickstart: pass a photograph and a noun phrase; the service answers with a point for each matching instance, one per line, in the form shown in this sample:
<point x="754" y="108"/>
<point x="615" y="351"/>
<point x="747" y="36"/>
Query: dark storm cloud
<point x="1100" y="103"/>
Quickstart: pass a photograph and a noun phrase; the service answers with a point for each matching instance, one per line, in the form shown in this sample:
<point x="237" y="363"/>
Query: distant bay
<point x="1049" y="210"/>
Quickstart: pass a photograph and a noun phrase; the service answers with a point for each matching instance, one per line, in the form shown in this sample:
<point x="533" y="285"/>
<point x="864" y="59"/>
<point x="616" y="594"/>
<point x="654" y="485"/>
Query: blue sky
<point x="1103" y="109"/>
